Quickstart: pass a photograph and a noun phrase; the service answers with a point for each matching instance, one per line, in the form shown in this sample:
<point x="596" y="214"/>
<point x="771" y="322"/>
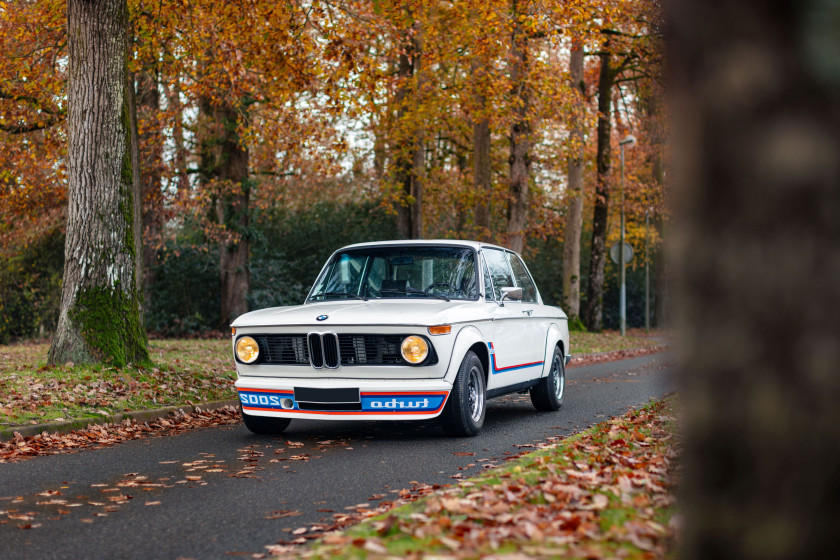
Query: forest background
<point x="271" y="134"/>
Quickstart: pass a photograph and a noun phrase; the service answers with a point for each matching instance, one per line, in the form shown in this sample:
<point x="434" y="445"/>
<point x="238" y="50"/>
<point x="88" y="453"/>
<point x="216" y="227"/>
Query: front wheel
<point x="265" y="425"/>
<point x="547" y="395"/>
<point x="463" y="414"/>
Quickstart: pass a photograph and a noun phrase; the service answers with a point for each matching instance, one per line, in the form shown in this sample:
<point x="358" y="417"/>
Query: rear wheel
<point x="547" y="395"/>
<point x="463" y="414"/>
<point x="265" y="425"/>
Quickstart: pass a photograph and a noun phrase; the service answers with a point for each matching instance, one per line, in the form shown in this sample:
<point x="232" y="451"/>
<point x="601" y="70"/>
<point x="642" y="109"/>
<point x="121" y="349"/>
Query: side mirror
<point x="513" y="294"/>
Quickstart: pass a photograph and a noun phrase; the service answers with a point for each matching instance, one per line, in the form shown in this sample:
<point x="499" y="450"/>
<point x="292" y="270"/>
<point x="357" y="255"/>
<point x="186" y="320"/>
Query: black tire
<point x="548" y="394"/>
<point x="463" y="414"/>
<point x="265" y="425"/>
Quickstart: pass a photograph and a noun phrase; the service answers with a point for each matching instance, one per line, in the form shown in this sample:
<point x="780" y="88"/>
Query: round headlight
<point x="414" y="349"/>
<point x="247" y="350"/>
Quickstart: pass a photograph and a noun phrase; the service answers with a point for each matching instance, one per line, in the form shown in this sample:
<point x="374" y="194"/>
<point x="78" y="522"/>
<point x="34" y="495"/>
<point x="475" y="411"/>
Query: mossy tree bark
<point x="756" y="107"/>
<point x="99" y="320"/>
<point x="520" y="136"/>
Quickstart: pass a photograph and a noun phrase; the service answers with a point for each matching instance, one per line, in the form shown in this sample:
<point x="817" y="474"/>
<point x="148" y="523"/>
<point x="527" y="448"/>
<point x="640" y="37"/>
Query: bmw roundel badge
<point x="322" y="317"/>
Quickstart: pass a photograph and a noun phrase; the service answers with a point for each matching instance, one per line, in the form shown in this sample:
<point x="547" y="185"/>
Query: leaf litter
<point x="607" y="492"/>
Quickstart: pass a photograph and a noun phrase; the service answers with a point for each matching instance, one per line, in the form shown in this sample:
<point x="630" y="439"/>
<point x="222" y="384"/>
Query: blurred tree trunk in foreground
<point x="756" y="98"/>
<point x="99" y="320"/>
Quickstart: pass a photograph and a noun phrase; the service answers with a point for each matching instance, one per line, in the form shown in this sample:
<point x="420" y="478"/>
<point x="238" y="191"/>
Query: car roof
<point x="451" y="242"/>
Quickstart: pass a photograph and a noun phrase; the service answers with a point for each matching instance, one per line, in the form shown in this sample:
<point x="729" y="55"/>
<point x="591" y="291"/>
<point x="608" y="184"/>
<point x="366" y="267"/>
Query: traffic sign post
<point x="631" y="140"/>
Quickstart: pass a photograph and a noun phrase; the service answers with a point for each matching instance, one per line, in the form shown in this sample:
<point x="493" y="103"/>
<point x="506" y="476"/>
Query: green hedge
<point x="30" y="289"/>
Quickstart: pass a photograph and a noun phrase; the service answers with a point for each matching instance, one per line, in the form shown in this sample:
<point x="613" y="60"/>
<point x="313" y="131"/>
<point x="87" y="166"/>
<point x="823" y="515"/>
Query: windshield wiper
<point x="348" y="294"/>
<point x="409" y="290"/>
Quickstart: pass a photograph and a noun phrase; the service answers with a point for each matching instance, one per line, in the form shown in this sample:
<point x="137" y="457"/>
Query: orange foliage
<point x="316" y="89"/>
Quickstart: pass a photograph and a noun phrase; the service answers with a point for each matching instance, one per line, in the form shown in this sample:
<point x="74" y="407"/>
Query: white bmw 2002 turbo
<point x="403" y="330"/>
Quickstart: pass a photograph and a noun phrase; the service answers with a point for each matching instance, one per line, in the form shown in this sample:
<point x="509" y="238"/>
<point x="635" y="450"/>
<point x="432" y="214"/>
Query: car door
<point x="530" y="305"/>
<point x="515" y="353"/>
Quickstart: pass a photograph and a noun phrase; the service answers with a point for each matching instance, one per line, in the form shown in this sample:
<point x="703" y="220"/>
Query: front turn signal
<point x="440" y="329"/>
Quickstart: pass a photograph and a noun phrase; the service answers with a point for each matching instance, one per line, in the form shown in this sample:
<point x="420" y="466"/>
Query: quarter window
<point x="523" y="279"/>
<point x="499" y="269"/>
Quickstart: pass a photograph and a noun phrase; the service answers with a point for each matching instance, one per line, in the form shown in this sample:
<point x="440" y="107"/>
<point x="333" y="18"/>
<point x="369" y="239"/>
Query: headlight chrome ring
<point x="414" y="349"/>
<point x="247" y="350"/>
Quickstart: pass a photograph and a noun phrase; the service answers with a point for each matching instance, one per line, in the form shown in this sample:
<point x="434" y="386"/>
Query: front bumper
<point x="412" y="399"/>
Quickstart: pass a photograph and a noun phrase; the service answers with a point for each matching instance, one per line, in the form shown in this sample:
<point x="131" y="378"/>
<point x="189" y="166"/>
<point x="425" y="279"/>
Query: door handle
<point x="528" y="311"/>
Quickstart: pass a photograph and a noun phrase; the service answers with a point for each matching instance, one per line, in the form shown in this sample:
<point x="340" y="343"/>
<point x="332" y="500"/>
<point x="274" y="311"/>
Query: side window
<point x="499" y="269"/>
<point x="523" y="279"/>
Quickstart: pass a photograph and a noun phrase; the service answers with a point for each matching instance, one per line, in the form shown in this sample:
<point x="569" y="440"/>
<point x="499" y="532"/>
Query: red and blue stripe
<point x="496" y="369"/>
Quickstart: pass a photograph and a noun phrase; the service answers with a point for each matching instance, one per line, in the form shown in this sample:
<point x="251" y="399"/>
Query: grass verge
<point x="184" y="372"/>
<point x="604" y="493"/>
<point x="612" y="341"/>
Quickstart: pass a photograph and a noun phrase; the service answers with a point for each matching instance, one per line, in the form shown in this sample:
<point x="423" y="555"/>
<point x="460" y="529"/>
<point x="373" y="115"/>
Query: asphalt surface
<point x="255" y="490"/>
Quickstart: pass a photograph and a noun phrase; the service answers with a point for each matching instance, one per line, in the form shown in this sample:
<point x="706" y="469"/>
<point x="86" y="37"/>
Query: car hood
<point x="357" y="312"/>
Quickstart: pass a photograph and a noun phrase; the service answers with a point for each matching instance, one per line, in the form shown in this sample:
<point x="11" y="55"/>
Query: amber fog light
<point x="414" y="349"/>
<point x="247" y="350"/>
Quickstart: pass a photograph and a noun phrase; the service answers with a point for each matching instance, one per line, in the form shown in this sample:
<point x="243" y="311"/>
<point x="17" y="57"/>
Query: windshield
<point x="407" y="272"/>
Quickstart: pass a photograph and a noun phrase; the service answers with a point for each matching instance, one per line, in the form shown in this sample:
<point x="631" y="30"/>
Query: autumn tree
<point x="409" y="153"/>
<point x="33" y="110"/>
<point x="100" y="304"/>
<point x="626" y="35"/>
<point x="455" y="118"/>
<point x="598" y="251"/>
<point x="574" y="213"/>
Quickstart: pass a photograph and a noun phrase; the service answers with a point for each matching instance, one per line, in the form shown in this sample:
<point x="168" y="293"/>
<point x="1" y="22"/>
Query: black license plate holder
<point x="327" y="396"/>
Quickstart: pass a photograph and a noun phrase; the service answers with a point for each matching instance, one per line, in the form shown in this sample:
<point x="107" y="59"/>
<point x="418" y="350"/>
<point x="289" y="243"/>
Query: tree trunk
<point x="225" y="171"/>
<point x="99" y="320"/>
<point x="409" y="159"/>
<point x="136" y="191"/>
<point x="379" y="156"/>
<point x="598" y="257"/>
<point x="418" y="172"/>
<point x="757" y="127"/>
<point x="151" y="149"/>
<point x="520" y="142"/>
<point x="574" y="215"/>
<point x="482" y="171"/>
<point x="418" y="166"/>
<point x="180" y="157"/>
<point x="655" y="139"/>
<point x="661" y="280"/>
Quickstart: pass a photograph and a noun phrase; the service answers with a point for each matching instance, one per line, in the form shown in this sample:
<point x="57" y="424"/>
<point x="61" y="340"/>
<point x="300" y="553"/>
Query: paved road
<point x="245" y="479"/>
